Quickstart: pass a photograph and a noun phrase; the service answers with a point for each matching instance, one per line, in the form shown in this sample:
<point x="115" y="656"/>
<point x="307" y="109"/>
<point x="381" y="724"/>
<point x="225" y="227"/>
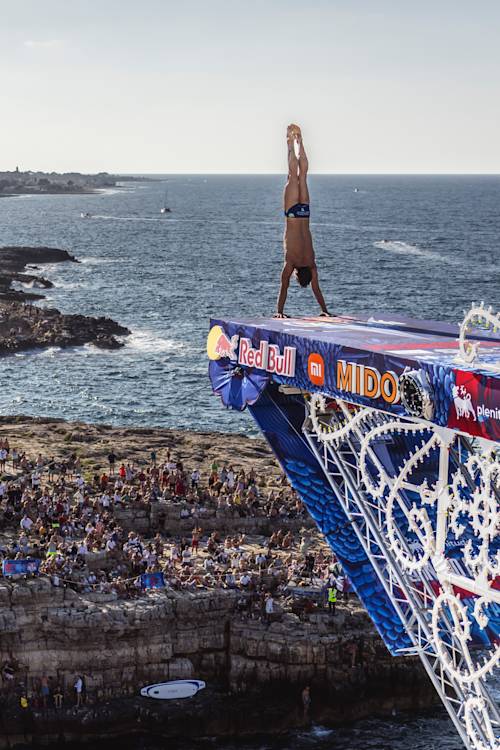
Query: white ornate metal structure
<point x="478" y="316"/>
<point x="343" y="441"/>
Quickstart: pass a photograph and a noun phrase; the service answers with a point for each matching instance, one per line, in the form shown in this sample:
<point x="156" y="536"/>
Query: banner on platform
<point x="362" y="362"/>
<point x="152" y="581"/>
<point x="24" y="567"/>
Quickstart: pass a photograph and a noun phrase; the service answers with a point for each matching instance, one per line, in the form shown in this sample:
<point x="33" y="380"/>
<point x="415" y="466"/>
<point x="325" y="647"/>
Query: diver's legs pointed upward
<point x="291" y="193"/>
<point x="303" y="169"/>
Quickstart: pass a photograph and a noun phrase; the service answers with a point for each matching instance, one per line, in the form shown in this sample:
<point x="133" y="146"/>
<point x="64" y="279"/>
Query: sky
<point x="378" y="86"/>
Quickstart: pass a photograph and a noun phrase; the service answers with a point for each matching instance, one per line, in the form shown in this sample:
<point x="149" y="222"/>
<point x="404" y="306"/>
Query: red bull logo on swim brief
<point x="219" y="345"/>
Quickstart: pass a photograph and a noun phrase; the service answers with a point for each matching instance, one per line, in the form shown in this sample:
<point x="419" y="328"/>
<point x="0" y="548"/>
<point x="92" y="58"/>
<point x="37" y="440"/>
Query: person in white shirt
<point x="26" y="523"/>
<point x="230" y="579"/>
<point x="79" y="497"/>
<point x="110" y="546"/>
<point x="269" y="607"/>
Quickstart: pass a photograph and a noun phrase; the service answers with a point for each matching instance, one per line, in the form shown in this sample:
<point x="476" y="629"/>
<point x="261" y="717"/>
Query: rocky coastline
<point x="24" y="326"/>
<point x="255" y="673"/>
<point x="28" y="182"/>
<point x="255" y="670"/>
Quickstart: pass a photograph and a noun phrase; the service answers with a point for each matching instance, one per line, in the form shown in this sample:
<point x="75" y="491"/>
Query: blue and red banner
<point x="28" y="566"/>
<point x="152" y="581"/>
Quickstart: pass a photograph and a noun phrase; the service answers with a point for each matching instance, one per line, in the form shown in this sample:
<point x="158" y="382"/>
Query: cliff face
<point x="120" y="646"/>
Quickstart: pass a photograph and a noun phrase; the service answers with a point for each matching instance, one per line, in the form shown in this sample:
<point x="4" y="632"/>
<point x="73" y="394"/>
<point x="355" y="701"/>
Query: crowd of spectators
<point x="57" y="512"/>
<point x="70" y="520"/>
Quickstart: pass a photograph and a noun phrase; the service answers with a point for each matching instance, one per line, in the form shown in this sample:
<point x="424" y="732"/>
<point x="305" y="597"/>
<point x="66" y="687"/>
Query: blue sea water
<point x="424" y="246"/>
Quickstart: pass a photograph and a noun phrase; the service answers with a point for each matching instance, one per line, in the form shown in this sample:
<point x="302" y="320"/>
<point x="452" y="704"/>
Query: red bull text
<point x="268" y="357"/>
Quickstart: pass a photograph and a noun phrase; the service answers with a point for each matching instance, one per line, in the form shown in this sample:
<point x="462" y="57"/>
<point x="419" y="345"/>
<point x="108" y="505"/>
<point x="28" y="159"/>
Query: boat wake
<point x="148" y="342"/>
<point x="91" y="260"/>
<point x="405" y="248"/>
<point x="168" y="218"/>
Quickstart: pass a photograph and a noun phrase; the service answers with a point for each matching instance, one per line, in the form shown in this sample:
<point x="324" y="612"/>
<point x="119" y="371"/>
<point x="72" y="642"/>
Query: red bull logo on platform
<point x="268" y="357"/>
<point x="219" y="345"/>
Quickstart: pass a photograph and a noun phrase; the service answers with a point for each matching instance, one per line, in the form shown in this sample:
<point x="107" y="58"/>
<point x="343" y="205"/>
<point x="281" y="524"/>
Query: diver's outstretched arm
<point x="317" y="292"/>
<point x="284" y="283"/>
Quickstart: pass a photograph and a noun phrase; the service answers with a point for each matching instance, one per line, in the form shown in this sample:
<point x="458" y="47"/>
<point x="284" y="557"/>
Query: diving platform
<point x="389" y="430"/>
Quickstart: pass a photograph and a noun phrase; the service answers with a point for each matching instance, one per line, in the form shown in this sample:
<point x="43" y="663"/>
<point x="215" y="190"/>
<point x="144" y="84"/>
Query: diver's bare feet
<point x="293" y="131"/>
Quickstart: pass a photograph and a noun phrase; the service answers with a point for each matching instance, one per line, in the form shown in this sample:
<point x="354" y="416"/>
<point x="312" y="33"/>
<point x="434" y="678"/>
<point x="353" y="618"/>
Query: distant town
<point x="18" y="182"/>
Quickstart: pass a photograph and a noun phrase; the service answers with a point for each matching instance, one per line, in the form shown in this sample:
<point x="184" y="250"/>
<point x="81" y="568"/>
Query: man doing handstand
<point x="297" y="240"/>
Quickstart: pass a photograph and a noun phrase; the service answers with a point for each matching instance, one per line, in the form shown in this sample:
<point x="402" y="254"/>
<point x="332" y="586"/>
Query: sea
<point x="423" y="246"/>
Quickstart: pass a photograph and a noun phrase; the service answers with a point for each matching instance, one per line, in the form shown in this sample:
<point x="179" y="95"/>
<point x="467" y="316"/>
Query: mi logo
<point x="316" y="369"/>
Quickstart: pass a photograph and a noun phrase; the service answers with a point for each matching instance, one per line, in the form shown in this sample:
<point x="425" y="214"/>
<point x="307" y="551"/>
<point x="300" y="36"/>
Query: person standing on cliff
<point x="112" y="461"/>
<point x="268" y="607"/>
<point x="78" y="691"/>
<point x="297" y="241"/>
<point x="332" y="599"/>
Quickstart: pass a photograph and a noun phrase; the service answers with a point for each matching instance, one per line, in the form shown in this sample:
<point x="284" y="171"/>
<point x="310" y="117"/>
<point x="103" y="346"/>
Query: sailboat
<point x="165" y="209"/>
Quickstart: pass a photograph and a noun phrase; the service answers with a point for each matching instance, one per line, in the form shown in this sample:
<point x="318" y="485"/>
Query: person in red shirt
<point x="180" y="487"/>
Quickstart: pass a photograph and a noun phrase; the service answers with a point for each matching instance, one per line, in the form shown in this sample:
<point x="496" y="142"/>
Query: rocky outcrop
<point x="13" y="261"/>
<point x="120" y="646"/>
<point x="24" y="327"/>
